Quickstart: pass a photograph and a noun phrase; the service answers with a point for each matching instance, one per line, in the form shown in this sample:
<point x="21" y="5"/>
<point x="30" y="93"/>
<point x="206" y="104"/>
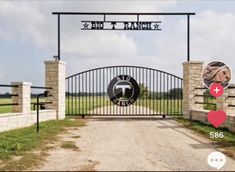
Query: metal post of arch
<point x="59" y="14"/>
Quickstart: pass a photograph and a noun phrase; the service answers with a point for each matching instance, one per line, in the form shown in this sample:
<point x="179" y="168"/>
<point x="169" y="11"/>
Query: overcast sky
<point x="28" y="36"/>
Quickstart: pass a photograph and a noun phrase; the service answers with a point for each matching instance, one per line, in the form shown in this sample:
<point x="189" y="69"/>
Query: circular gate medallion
<point x="123" y="90"/>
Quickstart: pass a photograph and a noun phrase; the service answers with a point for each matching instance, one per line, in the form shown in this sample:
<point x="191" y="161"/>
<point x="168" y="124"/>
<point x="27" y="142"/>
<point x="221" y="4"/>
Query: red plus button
<point x="216" y="90"/>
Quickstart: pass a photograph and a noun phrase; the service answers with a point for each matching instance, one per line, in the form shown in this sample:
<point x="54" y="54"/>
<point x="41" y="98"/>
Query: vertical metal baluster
<point x="79" y="95"/>
<point x="123" y="110"/>
<point x="107" y="80"/>
<point x="86" y="86"/>
<point x="116" y="109"/>
<point x="93" y="93"/>
<point x="96" y="94"/>
<point x="133" y="74"/>
<point x="160" y="93"/>
<point x="131" y="106"/>
<point x="113" y="106"/>
<point x="154" y="93"/>
<point x="125" y="73"/>
<point x="103" y="94"/>
<point x="174" y="95"/>
<point x="136" y="76"/>
<point x="164" y="94"/>
<point x="171" y="98"/>
<point x="181" y="98"/>
<point x="146" y="101"/>
<point x="119" y="73"/>
<point x="82" y="96"/>
<point x="90" y="106"/>
<point x="178" y="95"/>
<point x="68" y="97"/>
<point x="72" y="96"/>
<point x="75" y="95"/>
<point x="150" y="88"/>
<point x="110" y="78"/>
<point x="140" y="98"/>
<point x="167" y="82"/>
<point x="100" y="92"/>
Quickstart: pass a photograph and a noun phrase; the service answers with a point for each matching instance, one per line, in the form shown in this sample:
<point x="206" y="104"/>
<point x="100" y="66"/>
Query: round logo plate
<point x="123" y="90"/>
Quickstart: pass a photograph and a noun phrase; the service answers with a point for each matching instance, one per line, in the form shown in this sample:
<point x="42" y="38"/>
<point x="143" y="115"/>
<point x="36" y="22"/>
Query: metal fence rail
<point x="208" y="100"/>
<point x="160" y="92"/>
<point x="5" y="96"/>
<point x="41" y="104"/>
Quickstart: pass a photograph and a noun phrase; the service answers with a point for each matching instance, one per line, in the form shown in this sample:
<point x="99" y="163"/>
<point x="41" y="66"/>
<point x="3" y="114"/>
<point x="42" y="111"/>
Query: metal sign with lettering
<point x="121" y="25"/>
<point x="123" y="90"/>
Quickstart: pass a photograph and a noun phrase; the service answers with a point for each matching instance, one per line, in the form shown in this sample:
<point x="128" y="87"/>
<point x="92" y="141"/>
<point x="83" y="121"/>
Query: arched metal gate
<point x="160" y="92"/>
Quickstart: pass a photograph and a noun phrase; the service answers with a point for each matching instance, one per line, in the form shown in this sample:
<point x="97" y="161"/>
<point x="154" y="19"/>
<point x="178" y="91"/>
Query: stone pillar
<point x="55" y="78"/>
<point x="23" y="90"/>
<point x="191" y="79"/>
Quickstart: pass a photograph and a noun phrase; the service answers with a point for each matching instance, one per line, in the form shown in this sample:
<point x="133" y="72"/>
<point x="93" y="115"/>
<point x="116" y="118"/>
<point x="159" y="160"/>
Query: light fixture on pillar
<point x="56" y="58"/>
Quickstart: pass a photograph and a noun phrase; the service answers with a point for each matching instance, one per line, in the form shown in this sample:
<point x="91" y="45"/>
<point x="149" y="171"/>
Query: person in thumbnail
<point x="216" y="72"/>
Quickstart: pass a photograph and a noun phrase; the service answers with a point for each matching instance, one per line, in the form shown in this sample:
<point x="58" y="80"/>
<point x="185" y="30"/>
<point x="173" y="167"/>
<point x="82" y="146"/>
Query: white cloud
<point x="213" y="37"/>
<point x="100" y="45"/>
<point x="32" y="21"/>
<point x="213" y="34"/>
<point x="25" y="22"/>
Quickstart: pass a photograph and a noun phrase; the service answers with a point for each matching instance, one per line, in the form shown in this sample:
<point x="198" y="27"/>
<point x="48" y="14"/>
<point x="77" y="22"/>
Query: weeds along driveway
<point x="122" y="144"/>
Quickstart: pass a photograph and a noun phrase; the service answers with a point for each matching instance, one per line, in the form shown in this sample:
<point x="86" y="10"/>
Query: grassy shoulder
<point x="24" y="148"/>
<point x="227" y="143"/>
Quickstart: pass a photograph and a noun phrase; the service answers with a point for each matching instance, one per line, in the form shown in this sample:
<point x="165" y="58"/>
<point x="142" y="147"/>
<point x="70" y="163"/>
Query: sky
<point x="28" y="36"/>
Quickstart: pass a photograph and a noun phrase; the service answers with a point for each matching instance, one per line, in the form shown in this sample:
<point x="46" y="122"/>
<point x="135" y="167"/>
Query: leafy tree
<point x="175" y="93"/>
<point x="144" y="92"/>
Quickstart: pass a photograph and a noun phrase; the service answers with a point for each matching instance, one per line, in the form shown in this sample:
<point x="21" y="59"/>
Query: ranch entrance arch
<point x="160" y="92"/>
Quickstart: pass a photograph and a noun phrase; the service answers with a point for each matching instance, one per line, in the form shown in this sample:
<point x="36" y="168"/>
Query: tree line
<point x="145" y="93"/>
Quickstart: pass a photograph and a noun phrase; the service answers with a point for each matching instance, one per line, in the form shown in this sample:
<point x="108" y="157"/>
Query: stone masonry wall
<point x="192" y="79"/>
<point x="11" y="121"/>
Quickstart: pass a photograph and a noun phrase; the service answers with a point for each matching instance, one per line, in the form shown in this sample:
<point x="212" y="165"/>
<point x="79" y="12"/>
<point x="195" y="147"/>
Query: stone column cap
<point x="193" y="62"/>
<point x="21" y="83"/>
<point x="54" y="62"/>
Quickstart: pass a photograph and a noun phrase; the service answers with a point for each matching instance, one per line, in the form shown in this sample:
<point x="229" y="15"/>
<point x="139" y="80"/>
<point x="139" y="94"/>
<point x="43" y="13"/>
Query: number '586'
<point x="216" y="135"/>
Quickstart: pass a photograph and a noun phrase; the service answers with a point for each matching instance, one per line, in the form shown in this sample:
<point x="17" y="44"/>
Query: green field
<point x="82" y="105"/>
<point x="5" y="109"/>
<point x="8" y="109"/>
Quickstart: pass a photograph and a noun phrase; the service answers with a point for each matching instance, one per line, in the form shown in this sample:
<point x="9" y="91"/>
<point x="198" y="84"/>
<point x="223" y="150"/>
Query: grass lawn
<point x="21" y="142"/>
<point x="227" y="142"/>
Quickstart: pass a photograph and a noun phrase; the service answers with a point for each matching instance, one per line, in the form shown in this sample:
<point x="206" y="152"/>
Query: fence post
<point x="192" y="71"/>
<point x="55" y="78"/>
<point x="23" y="90"/>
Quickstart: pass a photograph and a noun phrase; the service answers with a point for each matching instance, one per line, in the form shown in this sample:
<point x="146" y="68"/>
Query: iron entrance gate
<point x="160" y="93"/>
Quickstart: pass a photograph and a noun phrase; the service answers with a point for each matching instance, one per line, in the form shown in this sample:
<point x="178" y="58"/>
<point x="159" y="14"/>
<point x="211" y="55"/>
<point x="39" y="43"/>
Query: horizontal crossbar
<point x="119" y="13"/>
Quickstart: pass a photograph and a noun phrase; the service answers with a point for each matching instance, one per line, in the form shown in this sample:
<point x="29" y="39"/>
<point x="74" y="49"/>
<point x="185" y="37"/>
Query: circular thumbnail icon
<point x="216" y="72"/>
<point x="123" y="90"/>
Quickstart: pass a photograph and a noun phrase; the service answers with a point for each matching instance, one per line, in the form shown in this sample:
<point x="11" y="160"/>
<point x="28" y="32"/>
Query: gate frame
<point x="175" y="82"/>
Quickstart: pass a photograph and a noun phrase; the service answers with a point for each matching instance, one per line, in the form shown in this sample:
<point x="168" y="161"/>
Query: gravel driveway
<point x="133" y="144"/>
